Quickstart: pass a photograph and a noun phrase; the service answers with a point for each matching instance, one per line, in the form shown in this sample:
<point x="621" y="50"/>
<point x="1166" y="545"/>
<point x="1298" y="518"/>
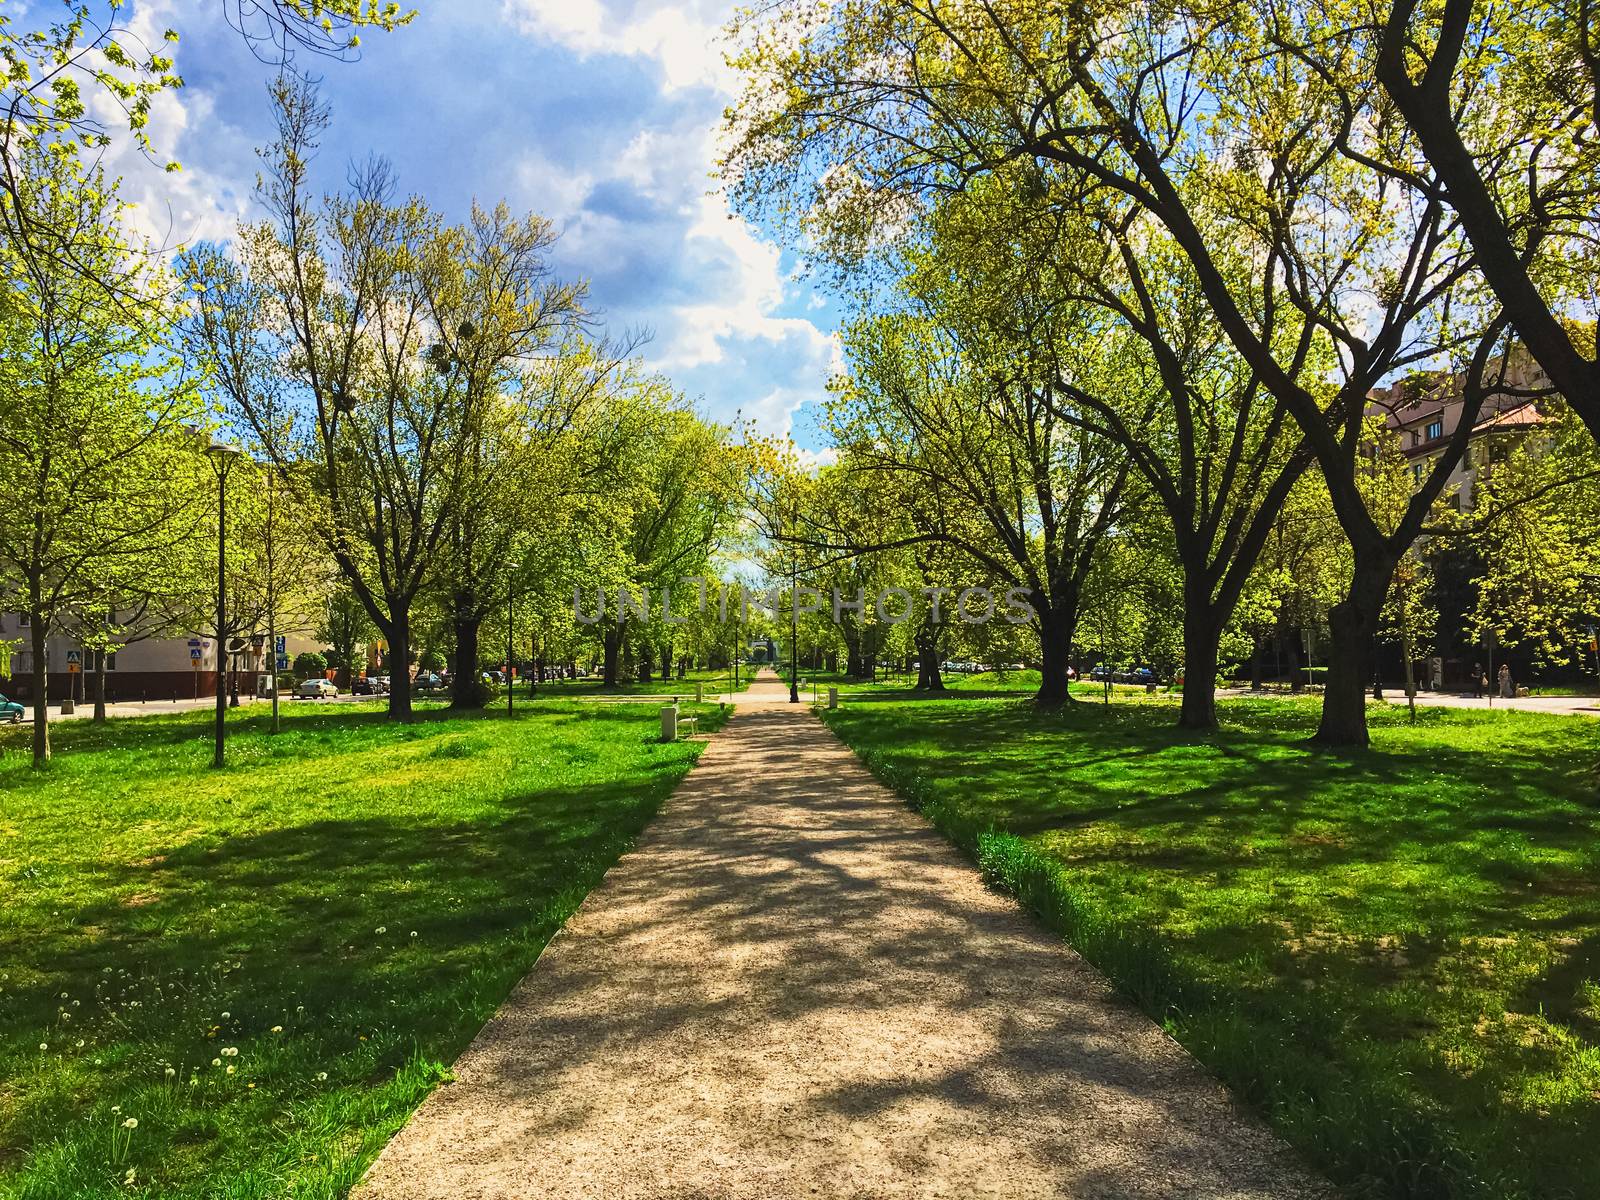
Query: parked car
<point x="10" y="710"/>
<point x="365" y="685"/>
<point x="427" y="679"/>
<point x="315" y="689"/>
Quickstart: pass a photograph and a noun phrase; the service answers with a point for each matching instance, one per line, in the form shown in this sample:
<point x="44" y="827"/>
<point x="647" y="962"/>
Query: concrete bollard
<point x="699" y="691"/>
<point x="833" y="697"/>
<point x="669" y="723"/>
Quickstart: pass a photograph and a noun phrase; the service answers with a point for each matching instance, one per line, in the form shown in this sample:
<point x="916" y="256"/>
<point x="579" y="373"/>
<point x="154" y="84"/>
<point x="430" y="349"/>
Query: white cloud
<point x="167" y="208"/>
<point x="684" y="39"/>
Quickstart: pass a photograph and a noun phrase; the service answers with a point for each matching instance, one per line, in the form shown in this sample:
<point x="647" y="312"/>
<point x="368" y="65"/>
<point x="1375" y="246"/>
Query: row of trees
<point x="1126" y="259"/>
<point x="411" y="421"/>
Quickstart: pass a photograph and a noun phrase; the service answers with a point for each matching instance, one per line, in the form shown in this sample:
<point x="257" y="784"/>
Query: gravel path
<point x="793" y="988"/>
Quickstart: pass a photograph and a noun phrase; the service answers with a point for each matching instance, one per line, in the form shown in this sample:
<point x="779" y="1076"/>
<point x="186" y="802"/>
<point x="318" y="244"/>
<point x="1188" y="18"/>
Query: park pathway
<point x="794" y="988"/>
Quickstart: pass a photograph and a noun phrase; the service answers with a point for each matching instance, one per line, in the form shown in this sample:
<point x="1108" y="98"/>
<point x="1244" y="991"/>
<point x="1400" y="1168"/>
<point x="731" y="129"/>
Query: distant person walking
<point x="1507" y="689"/>
<point x="1479" y="681"/>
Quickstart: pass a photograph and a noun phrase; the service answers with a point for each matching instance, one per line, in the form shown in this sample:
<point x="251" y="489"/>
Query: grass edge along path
<point x="266" y="969"/>
<point x="1363" y="1127"/>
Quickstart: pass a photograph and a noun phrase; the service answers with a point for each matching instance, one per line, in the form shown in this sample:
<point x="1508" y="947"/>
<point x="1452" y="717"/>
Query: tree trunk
<point x="646" y="661"/>
<point x="1055" y="656"/>
<point x="853" y="666"/>
<point x="1297" y="681"/>
<point x="399" y="634"/>
<point x="41" y="689"/>
<point x="1201" y="635"/>
<point x="99" y="687"/>
<point x="466" y="690"/>
<point x="611" y="641"/>
<point x="1255" y="664"/>
<point x="1352" y="625"/>
<point x="927" y="642"/>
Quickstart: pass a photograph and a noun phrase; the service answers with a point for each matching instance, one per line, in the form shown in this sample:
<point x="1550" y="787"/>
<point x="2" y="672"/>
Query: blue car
<point x="10" y="711"/>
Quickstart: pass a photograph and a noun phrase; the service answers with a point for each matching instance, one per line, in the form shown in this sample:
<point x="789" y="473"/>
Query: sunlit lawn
<point x="1396" y="953"/>
<point x="716" y="682"/>
<point x="267" y="968"/>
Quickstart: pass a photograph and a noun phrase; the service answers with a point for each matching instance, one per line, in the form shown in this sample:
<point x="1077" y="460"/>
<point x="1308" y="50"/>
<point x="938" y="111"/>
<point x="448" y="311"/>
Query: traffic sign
<point x="194" y="653"/>
<point x="74" y="656"/>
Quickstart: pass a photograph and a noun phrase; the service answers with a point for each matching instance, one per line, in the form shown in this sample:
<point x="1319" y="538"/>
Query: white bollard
<point x="669" y="723"/>
<point x="833" y="697"/>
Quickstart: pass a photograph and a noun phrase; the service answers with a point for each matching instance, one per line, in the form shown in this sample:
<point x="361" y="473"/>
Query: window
<point x="1435" y="429"/>
<point x="111" y="661"/>
<point x="1416" y="471"/>
<point x="24" y="620"/>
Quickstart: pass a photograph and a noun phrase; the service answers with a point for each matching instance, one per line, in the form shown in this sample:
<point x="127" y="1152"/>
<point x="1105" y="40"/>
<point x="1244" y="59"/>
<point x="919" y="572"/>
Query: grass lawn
<point x="267" y="968"/>
<point x="1394" y="954"/>
<point x="974" y="686"/>
<point x="716" y="682"/>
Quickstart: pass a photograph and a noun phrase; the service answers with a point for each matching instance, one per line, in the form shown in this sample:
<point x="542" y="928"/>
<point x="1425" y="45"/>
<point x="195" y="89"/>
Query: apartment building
<point x="154" y="669"/>
<point x="1424" y="411"/>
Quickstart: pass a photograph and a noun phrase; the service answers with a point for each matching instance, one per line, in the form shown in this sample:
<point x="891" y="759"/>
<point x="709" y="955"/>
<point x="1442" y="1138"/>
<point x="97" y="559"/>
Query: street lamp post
<point x="222" y="457"/>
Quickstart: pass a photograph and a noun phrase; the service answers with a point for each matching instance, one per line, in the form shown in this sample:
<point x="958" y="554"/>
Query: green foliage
<point x="309" y="663"/>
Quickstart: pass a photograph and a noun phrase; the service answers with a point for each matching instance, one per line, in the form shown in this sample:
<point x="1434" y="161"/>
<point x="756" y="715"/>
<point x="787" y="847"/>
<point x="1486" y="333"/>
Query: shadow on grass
<point x="1383" y="949"/>
<point x="374" y="922"/>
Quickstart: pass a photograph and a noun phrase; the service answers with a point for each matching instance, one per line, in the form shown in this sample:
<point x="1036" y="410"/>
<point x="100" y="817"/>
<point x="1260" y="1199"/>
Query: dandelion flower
<point x="277" y="1029"/>
<point x="381" y="929"/>
<point x="172" y="1073"/>
<point x="127" y="1180"/>
<point x="131" y="1123"/>
<point x="230" y="1070"/>
<point x="321" y="1076"/>
<point x="230" y="1052"/>
<point x="216" y="1062"/>
<point x="44" y="1045"/>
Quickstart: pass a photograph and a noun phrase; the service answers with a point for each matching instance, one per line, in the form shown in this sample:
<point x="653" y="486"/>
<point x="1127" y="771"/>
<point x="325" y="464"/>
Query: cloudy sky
<point x="601" y="114"/>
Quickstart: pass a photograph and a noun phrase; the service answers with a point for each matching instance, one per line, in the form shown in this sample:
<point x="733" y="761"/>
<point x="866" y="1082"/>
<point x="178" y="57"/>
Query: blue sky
<point x="601" y="114"/>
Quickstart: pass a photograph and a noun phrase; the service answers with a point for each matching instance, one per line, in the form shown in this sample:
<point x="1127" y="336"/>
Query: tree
<point x="1534" y="530"/>
<point x="1134" y="357"/>
<point x="346" y="628"/>
<point x="336" y="346"/>
<point x="310" y="664"/>
<point x="1241" y="133"/>
<point x="1505" y="103"/>
<point x="98" y="437"/>
<point x="972" y="427"/>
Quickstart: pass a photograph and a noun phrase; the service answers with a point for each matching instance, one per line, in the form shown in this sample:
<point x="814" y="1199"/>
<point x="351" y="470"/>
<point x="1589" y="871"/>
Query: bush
<point x="309" y="663"/>
<point x="431" y="661"/>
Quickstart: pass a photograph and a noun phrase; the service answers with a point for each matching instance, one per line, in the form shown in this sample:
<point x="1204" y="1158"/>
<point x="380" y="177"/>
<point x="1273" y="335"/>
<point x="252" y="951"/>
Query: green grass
<point x="968" y="687"/>
<point x="1394" y="954"/>
<point x="716" y="682"/>
<point x="269" y="967"/>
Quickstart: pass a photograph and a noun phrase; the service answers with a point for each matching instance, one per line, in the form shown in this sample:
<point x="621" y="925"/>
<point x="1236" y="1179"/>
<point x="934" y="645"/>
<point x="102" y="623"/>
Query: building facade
<point x="172" y="668"/>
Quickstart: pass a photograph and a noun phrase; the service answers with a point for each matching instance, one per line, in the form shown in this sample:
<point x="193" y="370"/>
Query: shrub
<point x="309" y="663"/>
